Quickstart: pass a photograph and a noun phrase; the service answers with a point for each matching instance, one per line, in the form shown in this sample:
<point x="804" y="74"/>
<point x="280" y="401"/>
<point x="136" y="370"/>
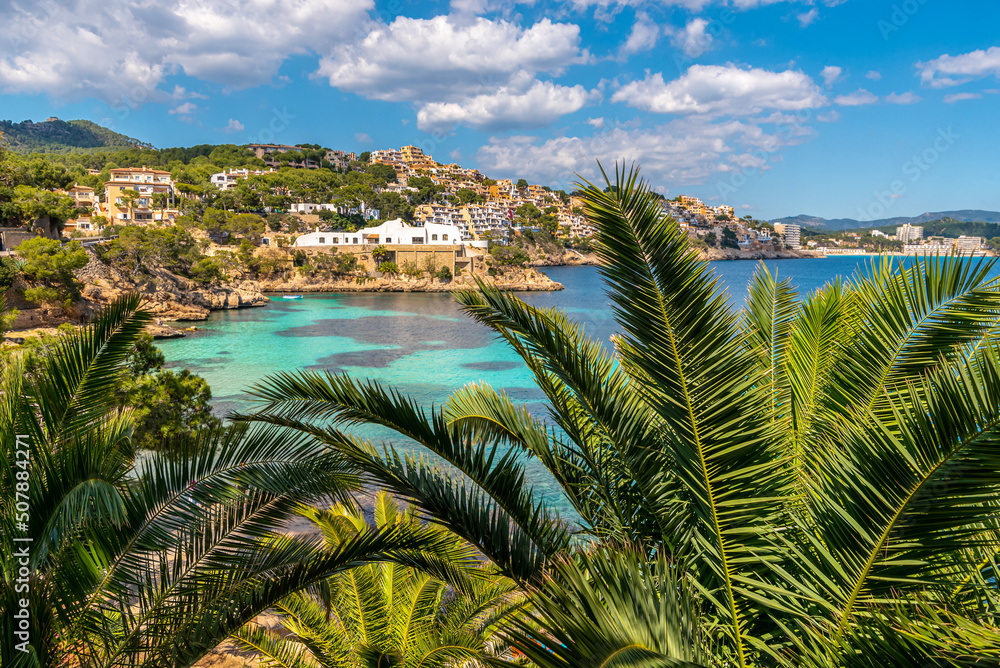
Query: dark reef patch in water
<point x="491" y="366"/>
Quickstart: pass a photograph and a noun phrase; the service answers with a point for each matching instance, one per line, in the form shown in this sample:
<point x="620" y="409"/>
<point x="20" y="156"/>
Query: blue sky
<point x="836" y="108"/>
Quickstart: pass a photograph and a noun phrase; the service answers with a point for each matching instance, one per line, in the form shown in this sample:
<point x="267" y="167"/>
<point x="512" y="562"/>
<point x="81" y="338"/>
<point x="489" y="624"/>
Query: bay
<point x="419" y="344"/>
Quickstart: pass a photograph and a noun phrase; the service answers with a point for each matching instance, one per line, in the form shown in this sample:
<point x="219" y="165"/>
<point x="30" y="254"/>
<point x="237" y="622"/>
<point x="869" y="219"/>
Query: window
<point x="335" y="240"/>
<point x="434" y="237"/>
<point x="444" y="237"/>
<point x="355" y="240"/>
<point x="417" y="240"/>
<point x="322" y="240"/>
<point x="388" y="240"/>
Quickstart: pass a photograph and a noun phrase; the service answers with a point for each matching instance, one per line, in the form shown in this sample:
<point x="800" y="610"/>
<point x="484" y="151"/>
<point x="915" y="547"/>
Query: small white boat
<point x="291" y="296"/>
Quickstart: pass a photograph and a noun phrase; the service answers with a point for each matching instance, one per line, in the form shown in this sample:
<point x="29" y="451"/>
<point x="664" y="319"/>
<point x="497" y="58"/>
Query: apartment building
<point x="154" y="191"/>
<point x="267" y="153"/>
<point x="83" y="196"/>
<point x="415" y="158"/>
<point x="438" y="214"/>
<point x="965" y="245"/>
<point x="228" y="179"/>
<point x="791" y="233"/>
<point x="487" y="220"/>
<point x="386" y="157"/>
<point x="909" y="233"/>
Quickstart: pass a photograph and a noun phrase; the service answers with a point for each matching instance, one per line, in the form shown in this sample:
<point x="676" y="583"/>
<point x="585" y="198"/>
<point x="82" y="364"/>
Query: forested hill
<point x="58" y="136"/>
<point x="945" y="227"/>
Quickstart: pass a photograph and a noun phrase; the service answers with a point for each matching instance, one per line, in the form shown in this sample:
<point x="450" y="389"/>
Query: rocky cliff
<point x="168" y="296"/>
<point x="514" y="280"/>
<point x="714" y="254"/>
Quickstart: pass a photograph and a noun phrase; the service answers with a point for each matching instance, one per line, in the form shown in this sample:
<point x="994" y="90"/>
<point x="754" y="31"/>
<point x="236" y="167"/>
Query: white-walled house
<point x="390" y="233"/>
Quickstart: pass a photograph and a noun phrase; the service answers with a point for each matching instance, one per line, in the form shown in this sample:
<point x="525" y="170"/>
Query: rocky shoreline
<point x="175" y="299"/>
<point x="526" y="280"/>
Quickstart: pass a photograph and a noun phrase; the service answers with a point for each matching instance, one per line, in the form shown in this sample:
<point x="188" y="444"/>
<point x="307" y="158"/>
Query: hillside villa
<point x="392" y="232"/>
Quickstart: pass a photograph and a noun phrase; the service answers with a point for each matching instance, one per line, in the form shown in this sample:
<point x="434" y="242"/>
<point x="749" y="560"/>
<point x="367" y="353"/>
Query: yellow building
<point x="83" y="196"/>
<point x="153" y="193"/>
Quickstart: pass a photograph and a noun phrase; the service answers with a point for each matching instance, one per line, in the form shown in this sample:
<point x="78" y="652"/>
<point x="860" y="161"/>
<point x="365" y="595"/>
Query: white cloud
<point x="682" y="152"/>
<point x="233" y="126"/>
<point x="961" y="97"/>
<point x="515" y="106"/>
<point x="715" y="89"/>
<point x="874" y="75"/>
<point x="475" y="72"/>
<point x="856" y="99"/>
<point x="643" y="37"/>
<point x="950" y="70"/>
<point x="115" y="49"/>
<point x="185" y="109"/>
<point x="597" y="123"/>
<point x="807" y="18"/>
<point x="440" y="59"/>
<point x="831" y="116"/>
<point x="693" y="39"/>
<point x="362" y="138"/>
<point x="902" y="98"/>
<point x="831" y="74"/>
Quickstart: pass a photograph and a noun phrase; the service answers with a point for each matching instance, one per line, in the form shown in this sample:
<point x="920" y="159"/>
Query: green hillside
<point x="944" y="227"/>
<point x="58" y="136"/>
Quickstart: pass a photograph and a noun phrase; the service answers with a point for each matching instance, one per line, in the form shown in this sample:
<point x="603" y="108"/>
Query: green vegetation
<point x="48" y="266"/>
<point x="113" y="535"/>
<point x="168" y="407"/>
<point x="63" y="136"/>
<point x="388" y="268"/>
<point x="388" y="614"/>
<point x="512" y="256"/>
<point x="810" y="481"/>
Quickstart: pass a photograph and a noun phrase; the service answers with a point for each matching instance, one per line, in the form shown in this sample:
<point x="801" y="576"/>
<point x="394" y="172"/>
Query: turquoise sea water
<point x="418" y="343"/>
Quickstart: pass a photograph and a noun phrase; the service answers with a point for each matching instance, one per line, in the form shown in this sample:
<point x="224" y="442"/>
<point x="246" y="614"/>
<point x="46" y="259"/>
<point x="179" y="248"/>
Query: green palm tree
<point x="387" y="614"/>
<point x="152" y="560"/>
<point x="822" y="471"/>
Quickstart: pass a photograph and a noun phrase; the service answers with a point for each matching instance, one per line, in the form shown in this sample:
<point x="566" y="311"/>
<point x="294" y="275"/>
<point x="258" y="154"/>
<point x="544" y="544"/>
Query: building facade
<point x="909" y="233"/>
<point x="791" y="233"/>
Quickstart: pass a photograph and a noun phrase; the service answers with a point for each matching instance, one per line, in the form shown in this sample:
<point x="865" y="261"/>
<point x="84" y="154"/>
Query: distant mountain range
<point x="839" y="224"/>
<point x="58" y="136"/>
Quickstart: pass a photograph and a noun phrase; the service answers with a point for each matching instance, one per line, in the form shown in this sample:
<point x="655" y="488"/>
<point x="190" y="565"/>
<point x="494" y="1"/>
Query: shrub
<point x="388" y="268"/>
<point x="207" y="270"/>
<point x="444" y="273"/>
<point x="411" y="269"/>
<point x="380" y="253"/>
<point x="42" y="295"/>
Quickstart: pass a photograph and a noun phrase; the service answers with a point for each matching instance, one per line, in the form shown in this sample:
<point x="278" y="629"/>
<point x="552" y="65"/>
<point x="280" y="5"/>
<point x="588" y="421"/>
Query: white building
<point x="879" y="233"/>
<point x="229" y="178"/>
<point x="909" y="233"/>
<point x="791" y="233"/>
<point x="965" y="245"/>
<point x="390" y="233"/>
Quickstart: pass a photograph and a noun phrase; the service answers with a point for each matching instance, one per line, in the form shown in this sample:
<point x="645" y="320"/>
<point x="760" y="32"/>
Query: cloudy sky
<point x="837" y="108"/>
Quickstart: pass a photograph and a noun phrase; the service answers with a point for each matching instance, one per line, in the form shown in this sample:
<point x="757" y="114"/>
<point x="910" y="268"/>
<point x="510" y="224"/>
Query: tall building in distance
<point x="909" y="233"/>
<point x="792" y="234"/>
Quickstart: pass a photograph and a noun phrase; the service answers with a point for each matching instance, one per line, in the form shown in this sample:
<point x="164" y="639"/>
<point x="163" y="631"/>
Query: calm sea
<point x="418" y="343"/>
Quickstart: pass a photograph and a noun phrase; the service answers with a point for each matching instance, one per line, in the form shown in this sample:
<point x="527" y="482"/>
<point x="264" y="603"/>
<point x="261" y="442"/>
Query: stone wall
<point x="453" y="257"/>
